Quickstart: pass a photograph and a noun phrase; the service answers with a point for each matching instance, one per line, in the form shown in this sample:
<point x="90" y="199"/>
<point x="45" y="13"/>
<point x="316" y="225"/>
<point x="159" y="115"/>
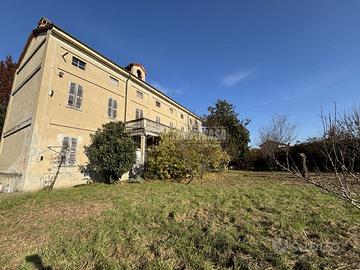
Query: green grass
<point x="234" y="220"/>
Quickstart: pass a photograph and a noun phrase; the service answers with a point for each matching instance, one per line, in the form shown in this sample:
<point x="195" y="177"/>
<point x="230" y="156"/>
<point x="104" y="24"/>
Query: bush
<point x="184" y="156"/>
<point x="111" y="153"/>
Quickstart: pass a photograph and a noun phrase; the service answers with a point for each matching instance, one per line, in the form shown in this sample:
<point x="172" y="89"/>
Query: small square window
<point x="171" y="110"/>
<point x="157" y="103"/>
<point x="181" y="116"/>
<point x="78" y="63"/>
<point x="114" y="81"/>
<point x="139" y="94"/>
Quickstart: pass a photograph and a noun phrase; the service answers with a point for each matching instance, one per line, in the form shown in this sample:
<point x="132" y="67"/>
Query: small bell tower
<point x="137" y="70"/>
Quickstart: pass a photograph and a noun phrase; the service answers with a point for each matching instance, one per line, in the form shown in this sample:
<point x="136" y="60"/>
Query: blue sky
<point x="265" y="57"/>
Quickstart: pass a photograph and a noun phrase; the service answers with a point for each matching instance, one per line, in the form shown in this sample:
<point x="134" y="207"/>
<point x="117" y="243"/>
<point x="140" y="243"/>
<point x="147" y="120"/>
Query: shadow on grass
<point x="37" y="262"/>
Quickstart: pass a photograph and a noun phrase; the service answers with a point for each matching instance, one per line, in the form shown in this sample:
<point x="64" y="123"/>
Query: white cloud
<point x="232" y="79"/>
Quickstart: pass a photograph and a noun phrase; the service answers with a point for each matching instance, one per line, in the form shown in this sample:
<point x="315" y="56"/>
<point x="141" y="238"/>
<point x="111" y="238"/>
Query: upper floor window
<point x="112" y="108"/>
<point x="139" y="94"/>
<point x="171" y="110"/>
<point x="139" y="114"/>
<point x="157" y="119"/>
<point x="190" y="121"/>
<point x="171" y="124"/>
<point x="114" y="81"/>
<point x="157" y="103"/>
<point x="68" y="151"/>
<point x="182" y="128"/>
<point x="181" y="116"/>
<point x="75" y="96"/>
<point x="78" y="63"/>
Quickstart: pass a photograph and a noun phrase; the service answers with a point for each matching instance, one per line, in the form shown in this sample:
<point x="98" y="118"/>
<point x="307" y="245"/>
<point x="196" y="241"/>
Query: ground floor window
<point x="68" y="151"/>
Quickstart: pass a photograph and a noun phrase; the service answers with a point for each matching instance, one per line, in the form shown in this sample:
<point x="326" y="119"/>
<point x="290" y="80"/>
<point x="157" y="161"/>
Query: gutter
<point x="126" y="96"/>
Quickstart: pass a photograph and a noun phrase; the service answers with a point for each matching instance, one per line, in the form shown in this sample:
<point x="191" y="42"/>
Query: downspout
<point x="126" y="96"/>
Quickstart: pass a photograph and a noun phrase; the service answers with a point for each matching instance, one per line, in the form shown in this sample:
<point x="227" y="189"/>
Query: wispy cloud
<point x="167" y="90"/>
<point x="298" y="93"/>
<point x="232" y="79"/>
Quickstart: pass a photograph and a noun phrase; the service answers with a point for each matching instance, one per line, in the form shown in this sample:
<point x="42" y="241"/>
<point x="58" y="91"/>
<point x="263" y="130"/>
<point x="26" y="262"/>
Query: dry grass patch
<point x="230" y="220"/>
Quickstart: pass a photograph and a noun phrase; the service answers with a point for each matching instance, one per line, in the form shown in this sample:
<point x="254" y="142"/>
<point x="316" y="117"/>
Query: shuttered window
<point x="68" y="151"/>
<point x="75" y="96"/>
<point x="139" y="114"/>
<point x="112" y="108"/>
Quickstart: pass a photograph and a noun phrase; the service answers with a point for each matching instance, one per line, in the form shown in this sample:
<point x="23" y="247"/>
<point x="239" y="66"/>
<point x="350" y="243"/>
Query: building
<point x="271" y="146"/>
<point x="62" y="92"/>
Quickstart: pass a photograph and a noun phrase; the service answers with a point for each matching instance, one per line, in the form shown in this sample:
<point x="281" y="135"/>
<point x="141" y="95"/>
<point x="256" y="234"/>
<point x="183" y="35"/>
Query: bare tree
<point x="277" y="136"/>
<point x="280" y="130"/>
<point x="341" y="152"/>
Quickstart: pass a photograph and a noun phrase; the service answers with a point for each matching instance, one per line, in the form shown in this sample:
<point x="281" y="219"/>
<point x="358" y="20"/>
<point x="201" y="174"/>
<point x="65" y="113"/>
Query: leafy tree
<point x="111" y="153"/>
<point x="223" y="115"/>
<point x="7" y="71"/>
<point x="178" y="156"/>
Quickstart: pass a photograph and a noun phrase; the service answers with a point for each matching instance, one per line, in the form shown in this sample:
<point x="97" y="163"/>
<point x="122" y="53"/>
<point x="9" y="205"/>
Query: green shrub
<point x="184" y="156"/>
<point x="111" y="153"/>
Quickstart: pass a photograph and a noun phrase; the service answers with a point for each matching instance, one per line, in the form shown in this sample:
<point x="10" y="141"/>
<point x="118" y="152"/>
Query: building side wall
<point x="19" y="121"/>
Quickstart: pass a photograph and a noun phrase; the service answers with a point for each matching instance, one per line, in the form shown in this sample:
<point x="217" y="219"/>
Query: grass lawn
<point x="234" y="220"/>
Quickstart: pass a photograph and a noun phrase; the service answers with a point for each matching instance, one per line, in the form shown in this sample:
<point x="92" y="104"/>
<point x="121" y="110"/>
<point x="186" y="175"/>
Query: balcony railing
<point x="144" y="125"/>
<point x="149" y="127"/>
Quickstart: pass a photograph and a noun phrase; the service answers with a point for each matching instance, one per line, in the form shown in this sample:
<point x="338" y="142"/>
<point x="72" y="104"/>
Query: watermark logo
<point x="220" y="133"/>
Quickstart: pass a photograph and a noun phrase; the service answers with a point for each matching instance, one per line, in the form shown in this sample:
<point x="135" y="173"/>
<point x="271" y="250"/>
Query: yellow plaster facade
<point x="41" y="113"/>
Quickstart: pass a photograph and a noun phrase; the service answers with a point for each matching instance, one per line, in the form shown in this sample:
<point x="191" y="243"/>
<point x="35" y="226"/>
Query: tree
<point x="7" y="72"/>
<point x="179" y="156"/>
<point x="276" y="137"/>
<point x="223" y="115"/>
<point x="340" y="151"/>
<point x="111" y="153"/>
<point x="280" y="130"/>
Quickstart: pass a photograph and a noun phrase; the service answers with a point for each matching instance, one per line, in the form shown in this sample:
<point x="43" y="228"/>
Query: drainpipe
<point x="126" y="96"/>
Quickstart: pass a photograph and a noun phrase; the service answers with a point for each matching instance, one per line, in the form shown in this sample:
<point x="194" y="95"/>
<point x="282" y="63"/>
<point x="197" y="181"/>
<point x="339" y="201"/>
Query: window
<point x="171" y="124"/>
<point x="78" y="63"/>
<point x="181" y="116"/>
<point x="139" y="94"/>
<point x="75" y="96"/>
<point x="114" y="81"/>
<point x="139" y="114"/>
<point x="182" y="128"/>
<point x="68" y="151"/>
<point x="112" y="108"/>
<point x="157" y="103"/>
<point x="190" y="122"/>
<point x="157" y="119"/>
<point x="171" y="110"/>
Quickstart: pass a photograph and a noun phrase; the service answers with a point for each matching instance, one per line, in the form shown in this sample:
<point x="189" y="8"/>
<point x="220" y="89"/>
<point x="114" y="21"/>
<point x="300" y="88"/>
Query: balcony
<point x="144" y="126"/>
